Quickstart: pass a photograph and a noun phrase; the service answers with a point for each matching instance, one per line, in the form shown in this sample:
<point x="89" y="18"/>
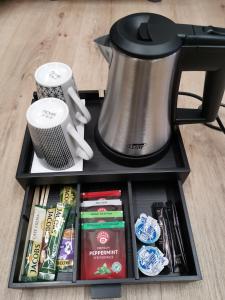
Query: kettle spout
<point x="103" y="43"/>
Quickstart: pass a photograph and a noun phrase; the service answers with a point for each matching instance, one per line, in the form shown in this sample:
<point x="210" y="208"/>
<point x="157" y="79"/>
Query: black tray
<point x="137" y="197"/>
<point x="160" y="181"/>
<point x="101" y="168"/>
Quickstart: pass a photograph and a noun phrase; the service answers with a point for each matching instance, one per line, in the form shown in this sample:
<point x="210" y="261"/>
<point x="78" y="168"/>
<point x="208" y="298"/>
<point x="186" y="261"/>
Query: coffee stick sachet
<point x="68" y="195"/>
<point x="65" y="258"/>
<point x="33" y="253"/>
<point x="35" y="202"/>
<point x="49" y="221"/>
<point x="48" y="268"/>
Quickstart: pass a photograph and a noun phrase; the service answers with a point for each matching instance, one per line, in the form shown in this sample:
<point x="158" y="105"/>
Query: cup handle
<point x="83" y="114"/>
<point x="84" y="150"/>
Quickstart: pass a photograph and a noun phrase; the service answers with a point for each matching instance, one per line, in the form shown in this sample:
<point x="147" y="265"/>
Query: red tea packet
<point x="103" y="250"/>
<point x="113" y="194"/>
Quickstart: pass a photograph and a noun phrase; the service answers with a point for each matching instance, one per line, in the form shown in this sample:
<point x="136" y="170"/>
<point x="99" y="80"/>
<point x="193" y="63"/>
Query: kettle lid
<point x="145" y="35"/>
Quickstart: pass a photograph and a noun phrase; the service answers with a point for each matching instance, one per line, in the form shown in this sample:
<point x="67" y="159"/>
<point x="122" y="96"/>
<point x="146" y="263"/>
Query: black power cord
<point x="221" y="127"/>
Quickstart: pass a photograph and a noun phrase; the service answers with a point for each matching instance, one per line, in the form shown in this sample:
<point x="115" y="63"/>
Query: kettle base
<point x="127" y="160"/>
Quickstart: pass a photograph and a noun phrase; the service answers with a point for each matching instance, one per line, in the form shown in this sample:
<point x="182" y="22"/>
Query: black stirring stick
<point x="178" y="234"/>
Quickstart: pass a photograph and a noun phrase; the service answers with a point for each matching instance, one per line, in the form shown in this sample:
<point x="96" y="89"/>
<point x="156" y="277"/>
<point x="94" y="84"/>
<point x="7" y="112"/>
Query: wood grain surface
<point x="36" y="32"/>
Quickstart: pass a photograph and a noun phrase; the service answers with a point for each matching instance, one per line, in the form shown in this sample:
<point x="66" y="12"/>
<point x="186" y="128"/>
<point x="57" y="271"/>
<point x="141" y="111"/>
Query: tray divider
<point x="133" y="236"/>
<point x="77" y="236"/>
<point x="17" y="259"/>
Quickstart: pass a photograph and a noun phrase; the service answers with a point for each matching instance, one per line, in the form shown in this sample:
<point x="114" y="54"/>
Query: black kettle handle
<point x="203" y="50"/>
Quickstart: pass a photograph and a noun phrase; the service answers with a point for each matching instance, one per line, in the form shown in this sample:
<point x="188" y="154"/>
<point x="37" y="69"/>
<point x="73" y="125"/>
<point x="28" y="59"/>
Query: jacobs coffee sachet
<point x="103" y="250"/>
<point x="33" y="253"/>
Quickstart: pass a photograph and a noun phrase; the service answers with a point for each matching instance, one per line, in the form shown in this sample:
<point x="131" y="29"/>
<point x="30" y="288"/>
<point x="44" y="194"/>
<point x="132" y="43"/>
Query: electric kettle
<point x="146" y="54"/>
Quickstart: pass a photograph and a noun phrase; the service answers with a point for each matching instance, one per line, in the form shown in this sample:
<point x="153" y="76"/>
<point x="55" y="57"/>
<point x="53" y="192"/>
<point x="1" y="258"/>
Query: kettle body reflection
<point x="146" y="55"/>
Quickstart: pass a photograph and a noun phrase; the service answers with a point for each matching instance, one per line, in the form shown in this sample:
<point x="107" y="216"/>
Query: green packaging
<point x="101" y="216"/>
<point x="48" y="268"/>
<point x="65" y="259"/>
<point x="68" y="195"/>
<point x="33" y="253"/>
<point x="49" y="222"/>
<point x="66" y="250"/>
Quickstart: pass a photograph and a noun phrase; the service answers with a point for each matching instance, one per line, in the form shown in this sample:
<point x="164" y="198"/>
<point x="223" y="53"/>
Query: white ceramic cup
<point x="56" y="80"/>
<point x="56" y="141"/>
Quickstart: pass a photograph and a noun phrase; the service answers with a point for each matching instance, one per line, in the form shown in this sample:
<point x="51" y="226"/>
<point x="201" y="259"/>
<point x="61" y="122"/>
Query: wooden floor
<point x="35" y="32"/>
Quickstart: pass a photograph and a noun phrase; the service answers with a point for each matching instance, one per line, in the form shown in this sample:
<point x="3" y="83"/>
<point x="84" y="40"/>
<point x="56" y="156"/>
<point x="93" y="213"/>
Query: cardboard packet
<point x="33" y="253"/>
<point x="103" y="253"/>
<point x="112" y="194"/>
<point x="101" y="216"/>
<point x="102" y="205"/>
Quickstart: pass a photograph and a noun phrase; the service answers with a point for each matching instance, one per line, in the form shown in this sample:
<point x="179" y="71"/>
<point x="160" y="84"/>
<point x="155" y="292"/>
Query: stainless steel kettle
<point x="146" y="54"/>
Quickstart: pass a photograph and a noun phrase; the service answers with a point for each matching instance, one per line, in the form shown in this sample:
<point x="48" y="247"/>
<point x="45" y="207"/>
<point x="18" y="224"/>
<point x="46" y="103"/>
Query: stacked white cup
<point x="54" y="118"/>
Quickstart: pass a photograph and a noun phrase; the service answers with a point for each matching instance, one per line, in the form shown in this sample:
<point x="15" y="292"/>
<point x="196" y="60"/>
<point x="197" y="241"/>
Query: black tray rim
<point x="26" y="178"/>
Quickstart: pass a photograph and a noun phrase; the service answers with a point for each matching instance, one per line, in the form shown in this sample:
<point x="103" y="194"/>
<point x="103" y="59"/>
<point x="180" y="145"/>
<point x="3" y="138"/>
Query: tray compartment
<point x="128" y="237"/>
<point x="62" y="278"/>
<point x="137" y="197"/>
<point x="144" y="194"/>
<point x="100" y="168"/>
